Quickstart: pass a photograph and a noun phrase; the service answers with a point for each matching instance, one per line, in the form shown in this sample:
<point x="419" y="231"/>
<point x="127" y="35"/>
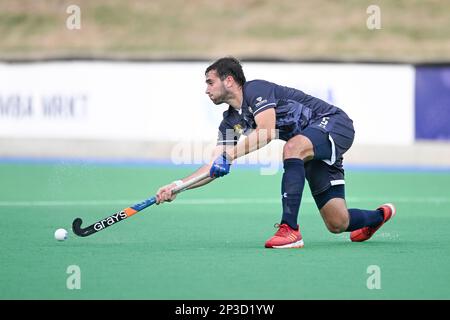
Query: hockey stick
<point x="127" y="212"/>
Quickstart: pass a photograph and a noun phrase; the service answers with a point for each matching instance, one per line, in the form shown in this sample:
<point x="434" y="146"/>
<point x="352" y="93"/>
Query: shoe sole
<point x="294" y="245"/>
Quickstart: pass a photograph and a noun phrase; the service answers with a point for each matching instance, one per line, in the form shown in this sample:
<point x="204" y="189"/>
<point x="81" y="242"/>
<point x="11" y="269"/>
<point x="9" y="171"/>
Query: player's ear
<point x="229" y="80"/>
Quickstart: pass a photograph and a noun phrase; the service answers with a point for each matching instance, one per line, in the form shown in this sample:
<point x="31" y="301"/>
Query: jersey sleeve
<point x="260" y="95"/>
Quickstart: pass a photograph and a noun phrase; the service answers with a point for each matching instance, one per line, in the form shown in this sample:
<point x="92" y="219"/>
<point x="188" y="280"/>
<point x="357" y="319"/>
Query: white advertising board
<point x="166" y="101"/>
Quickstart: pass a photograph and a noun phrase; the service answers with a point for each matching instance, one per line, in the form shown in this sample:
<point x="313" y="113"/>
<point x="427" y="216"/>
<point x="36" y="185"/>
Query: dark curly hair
<point x="228" y="66"/>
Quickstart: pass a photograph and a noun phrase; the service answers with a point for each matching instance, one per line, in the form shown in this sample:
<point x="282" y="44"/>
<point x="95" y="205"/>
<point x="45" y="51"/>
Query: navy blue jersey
<point x="294" y="109"/>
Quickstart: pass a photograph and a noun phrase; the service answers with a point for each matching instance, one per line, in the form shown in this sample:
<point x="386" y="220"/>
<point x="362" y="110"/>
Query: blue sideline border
<point x="165" y="163"/>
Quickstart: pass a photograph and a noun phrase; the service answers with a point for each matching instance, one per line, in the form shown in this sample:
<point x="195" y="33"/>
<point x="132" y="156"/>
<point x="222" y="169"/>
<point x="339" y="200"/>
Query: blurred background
<point x="103" y="101"/>
<point x="93" y="79"/>
<point x="411" y="30"/>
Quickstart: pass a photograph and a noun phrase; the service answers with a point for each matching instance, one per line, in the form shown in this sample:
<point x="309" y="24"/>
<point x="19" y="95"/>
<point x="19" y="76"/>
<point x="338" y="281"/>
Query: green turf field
<point x="208" y="244"/>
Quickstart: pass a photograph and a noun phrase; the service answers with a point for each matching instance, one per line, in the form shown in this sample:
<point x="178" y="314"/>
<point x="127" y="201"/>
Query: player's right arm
<point x="165" y="193"/>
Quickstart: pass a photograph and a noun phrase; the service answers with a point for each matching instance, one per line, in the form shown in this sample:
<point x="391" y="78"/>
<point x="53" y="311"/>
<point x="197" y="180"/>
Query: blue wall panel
<point x="432" y="103"/>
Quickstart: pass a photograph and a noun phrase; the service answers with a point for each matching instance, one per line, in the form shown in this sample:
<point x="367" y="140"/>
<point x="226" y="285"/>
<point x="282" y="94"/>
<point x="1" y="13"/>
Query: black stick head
<point x="76" y="228"/>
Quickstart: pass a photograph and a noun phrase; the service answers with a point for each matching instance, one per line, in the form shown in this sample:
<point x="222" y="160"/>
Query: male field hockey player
<point x="317" y="134"/>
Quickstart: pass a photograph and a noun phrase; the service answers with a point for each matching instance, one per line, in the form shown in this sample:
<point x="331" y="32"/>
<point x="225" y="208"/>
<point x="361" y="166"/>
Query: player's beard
<point x="224" y="96"/>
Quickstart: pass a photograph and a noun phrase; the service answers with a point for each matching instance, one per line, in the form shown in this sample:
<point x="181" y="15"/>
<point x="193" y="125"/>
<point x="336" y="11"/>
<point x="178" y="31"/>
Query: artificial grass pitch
<point x="209" y="242"/>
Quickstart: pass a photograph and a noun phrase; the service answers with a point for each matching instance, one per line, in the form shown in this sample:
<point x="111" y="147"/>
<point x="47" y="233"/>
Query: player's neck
<point x="236" y="99"/>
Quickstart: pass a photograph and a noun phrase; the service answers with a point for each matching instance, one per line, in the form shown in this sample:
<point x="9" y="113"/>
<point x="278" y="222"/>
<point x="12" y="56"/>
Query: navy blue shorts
<point x="331" y="137"/>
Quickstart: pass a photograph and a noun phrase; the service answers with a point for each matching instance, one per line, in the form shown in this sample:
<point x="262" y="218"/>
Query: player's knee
<point x="298" y="147"/>
<point x="335" y="213"/>
<point x="336" y="226"/>
<point x="289" y="150"/>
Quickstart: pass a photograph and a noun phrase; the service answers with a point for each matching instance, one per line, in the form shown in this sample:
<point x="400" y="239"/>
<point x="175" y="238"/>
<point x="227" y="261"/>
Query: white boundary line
<point x="350" y="200"/>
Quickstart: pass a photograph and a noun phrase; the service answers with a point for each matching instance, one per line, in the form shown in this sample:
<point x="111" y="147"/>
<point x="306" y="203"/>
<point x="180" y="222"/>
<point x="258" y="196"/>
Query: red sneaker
<point x="366" y="233"/>
<point x="285" y="237"/>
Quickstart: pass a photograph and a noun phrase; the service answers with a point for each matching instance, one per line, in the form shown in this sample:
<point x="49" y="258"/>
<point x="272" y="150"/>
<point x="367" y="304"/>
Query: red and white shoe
<point x="285" y="237"/>
<point x="366" y="233"/>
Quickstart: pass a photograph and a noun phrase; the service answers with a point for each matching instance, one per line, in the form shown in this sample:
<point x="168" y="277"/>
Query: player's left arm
<point x="258" y="138"/>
